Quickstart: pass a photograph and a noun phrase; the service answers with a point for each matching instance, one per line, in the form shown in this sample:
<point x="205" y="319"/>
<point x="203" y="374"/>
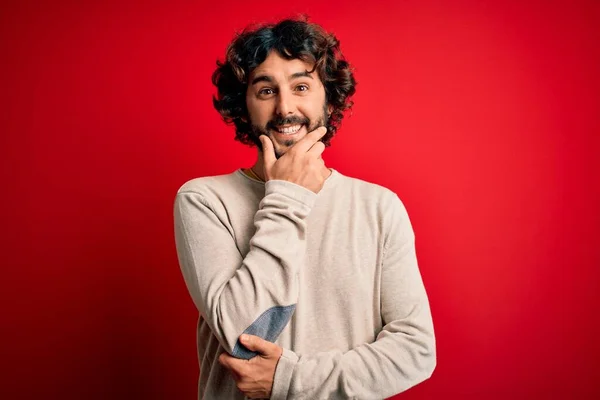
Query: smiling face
<point x="285" y="101"/>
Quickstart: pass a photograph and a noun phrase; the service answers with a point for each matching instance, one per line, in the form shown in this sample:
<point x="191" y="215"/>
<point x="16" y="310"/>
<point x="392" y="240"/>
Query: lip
<point x="288" y="135"/>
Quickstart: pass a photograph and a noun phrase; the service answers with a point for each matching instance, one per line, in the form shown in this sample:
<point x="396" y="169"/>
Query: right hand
<point x="301" y="164"/>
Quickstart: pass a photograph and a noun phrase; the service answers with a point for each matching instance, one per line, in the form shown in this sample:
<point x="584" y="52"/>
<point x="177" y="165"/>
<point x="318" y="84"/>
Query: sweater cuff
<point x="292" y="190"/>
<point x="283" y="375"/>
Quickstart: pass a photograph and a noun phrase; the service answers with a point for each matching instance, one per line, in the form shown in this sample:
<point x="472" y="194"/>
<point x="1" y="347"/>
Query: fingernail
<point x="244" y="338"/>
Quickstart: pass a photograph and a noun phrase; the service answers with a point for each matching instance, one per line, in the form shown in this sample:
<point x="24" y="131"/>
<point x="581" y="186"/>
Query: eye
<point x="302" y="88"/>
<point x="265" y="91"/>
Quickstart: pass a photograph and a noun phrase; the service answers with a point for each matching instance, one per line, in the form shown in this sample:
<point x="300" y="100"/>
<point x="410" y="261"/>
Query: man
<point x="306" y="280"/>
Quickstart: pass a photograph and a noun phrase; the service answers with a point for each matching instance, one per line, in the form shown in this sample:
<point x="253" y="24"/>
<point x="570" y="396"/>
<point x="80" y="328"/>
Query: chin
<point x="280" y="152"/>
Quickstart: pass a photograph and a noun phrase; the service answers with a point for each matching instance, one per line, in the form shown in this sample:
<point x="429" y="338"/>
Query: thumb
<point x="268" y="152"/>
<point x="256" y="343"/>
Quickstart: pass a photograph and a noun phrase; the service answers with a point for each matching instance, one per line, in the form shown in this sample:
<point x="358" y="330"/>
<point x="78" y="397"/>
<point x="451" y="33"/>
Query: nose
<point x="285" y="103"/>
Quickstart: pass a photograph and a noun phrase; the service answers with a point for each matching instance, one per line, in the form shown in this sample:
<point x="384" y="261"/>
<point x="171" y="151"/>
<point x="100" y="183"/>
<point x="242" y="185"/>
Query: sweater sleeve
<point x="403" y="353"/>
<point x="255" y="294"/>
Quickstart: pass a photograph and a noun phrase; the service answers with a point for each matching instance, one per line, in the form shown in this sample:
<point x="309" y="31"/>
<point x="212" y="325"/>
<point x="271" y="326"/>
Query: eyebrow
<point x="268" y="78"/>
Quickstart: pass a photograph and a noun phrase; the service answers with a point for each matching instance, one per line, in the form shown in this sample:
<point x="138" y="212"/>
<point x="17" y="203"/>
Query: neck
<point x="258" y="167"/>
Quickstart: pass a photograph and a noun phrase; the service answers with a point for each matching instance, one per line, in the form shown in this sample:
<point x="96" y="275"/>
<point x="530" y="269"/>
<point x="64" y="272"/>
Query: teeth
<point x="290" y="129"/>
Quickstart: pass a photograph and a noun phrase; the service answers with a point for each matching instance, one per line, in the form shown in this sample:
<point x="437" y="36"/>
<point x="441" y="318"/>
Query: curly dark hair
<point x="292" y="39"/>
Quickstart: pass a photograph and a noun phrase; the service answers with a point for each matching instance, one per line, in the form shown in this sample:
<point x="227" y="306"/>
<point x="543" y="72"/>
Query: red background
<point x="483" y="116"/>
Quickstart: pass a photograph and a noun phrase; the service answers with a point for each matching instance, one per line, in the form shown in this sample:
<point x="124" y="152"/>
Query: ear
<point x="329" y="110"/>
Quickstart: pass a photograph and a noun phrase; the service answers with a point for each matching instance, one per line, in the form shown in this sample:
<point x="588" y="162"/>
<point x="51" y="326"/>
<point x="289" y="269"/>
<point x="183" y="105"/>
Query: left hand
<point x="254" y="377"/>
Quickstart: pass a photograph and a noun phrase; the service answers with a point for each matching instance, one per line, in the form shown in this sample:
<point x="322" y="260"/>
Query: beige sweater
<point x="331" y="277"/>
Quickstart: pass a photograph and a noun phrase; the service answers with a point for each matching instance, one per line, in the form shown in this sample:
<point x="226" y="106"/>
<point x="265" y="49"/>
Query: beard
<point x="293" y="120"/>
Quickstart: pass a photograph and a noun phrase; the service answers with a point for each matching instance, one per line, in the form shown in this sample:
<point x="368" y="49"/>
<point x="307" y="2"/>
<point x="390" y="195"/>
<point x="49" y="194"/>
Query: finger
<point x="256" y="394"/>
<point x="310" y="139"/>
<point x="316" y="150"/>
<point x="225" y="360"/>
<point x="256" y="343"/>
<point x="268" y="152"/>
<point x="231" y="363"/>
<point x="237" y="367"/>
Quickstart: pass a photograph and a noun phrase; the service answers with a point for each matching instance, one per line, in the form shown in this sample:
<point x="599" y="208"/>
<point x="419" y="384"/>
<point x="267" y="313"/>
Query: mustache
<point x="293" y="120"/>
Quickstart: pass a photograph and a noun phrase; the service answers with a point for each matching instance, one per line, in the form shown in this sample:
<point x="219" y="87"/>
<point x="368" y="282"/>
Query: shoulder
<point x="201" y="184"/>
<point x="213" y="189"/>
<point x="376" y="200"/>
<point x="370" y="192"/>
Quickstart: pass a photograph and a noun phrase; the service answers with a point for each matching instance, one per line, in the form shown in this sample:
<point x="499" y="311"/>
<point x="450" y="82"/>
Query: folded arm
<point x="403" y="353"/>
<point x="255" y="294"/>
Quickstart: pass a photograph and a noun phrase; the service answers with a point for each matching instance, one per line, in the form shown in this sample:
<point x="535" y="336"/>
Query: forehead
<point x="280" y="68"/>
